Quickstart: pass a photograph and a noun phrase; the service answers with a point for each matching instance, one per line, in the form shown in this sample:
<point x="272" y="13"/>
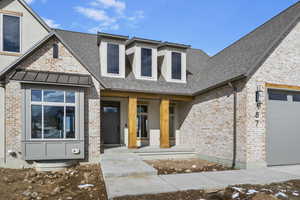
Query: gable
<point x="33" y="29"/>
<point x="41" y="59"/>
<point x="282" y="66"/>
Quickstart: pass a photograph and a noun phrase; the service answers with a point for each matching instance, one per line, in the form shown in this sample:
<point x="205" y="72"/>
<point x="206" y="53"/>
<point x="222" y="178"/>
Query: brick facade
<point x="42" y="60"/>
<point x="207" y="124"/>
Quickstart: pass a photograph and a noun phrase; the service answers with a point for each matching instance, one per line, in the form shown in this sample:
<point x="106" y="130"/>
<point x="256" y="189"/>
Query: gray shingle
<point x="247" y="54"/>
<point x="85" y="47"/>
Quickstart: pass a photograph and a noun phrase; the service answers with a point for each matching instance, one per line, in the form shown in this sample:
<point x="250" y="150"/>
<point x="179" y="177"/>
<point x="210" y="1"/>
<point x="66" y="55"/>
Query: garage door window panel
<point x="296" y="97"/>
<point x="278" y="96"/>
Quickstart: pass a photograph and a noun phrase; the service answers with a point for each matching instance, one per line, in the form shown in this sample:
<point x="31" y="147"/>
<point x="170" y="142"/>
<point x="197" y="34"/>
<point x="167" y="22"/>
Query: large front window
<point x="146" y="64"/>
<point x="52" y="114"/>
<point x="176" y="65"/>
<point x="142" y="121"/>
<point x="10" y="33"/>
<point x="113" y="59"/>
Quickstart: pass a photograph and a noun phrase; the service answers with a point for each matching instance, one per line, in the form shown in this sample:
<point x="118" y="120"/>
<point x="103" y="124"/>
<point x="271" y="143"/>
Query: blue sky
<point x="210" y="25"/>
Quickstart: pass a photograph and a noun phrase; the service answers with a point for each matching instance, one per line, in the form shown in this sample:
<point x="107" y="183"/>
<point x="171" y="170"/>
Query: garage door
<point x="283" y="128"/>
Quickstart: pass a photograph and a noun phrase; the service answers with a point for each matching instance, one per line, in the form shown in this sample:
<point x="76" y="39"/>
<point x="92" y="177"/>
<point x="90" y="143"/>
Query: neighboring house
<point x="65" y="95"/>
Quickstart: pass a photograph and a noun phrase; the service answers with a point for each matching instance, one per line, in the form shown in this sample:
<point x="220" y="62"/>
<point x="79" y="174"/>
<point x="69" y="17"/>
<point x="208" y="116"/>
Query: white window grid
<point x="60" y="104"/>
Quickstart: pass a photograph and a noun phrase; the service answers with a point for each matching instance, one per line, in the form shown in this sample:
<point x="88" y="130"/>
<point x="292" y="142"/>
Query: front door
<point x="110" y="123"/>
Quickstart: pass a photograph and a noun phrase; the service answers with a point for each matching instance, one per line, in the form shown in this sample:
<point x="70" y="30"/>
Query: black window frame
<point x="55" y="51"/>
<point x="176" y="66"/>
<point x="3" y="42"/>
<point x="146" y="62"/>
<point x="113" y="64"/>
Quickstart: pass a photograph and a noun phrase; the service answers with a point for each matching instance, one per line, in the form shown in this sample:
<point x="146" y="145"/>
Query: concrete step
<point x="162" y="154"/>
<point x="167" y="155"/>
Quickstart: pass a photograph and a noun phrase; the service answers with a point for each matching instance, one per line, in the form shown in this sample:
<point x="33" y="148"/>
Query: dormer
<point x="112" y="54"/>
<point x="173" y="61"/>
<point x="142" y="54"/>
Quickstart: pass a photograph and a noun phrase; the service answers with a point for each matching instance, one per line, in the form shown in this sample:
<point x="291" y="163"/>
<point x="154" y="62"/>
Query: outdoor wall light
<point x="258" y="96"/>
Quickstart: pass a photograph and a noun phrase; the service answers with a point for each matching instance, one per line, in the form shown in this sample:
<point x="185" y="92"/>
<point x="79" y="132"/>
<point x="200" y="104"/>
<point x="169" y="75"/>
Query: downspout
<point x="234" y="123"/>
<point x="2" y="124"/>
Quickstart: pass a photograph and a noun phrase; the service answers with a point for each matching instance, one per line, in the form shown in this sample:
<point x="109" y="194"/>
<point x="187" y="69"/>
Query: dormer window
<point x="11" y="37"/>
<point x="146" y="62"/>
<point x="113" y="59"/>
<point x="176" y="65"/>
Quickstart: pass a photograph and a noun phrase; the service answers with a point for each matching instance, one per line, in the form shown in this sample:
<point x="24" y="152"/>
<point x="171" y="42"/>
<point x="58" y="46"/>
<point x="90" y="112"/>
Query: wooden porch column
<point x="132" y="114"/>
<point x="164" y="123"/>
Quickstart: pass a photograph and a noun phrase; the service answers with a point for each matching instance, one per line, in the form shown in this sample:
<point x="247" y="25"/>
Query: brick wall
<point x="42" y="60"/>
<point x="207" y="122"/>
<point x="281" y="67"/>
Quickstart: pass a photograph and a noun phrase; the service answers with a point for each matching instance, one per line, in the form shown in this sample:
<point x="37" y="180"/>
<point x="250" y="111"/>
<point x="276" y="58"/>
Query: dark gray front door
<point x="283" y="128"/>
<point x="110" y="123"/>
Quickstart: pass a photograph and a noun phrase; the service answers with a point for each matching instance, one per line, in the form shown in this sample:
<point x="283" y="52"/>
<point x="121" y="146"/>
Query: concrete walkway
<point x="154" y="184"/>
<point x="124" y="164"/>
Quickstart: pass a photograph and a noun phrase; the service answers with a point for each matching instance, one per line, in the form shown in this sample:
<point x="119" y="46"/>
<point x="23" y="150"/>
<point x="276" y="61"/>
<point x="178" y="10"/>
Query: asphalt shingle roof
<point x="239" y="60"/>
<point x="247" y="54"/>
<point x="85" y="47"/>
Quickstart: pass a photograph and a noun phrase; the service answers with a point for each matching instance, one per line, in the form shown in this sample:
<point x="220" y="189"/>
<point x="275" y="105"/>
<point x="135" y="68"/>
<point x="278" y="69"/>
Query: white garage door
<point x="283" y="128"/>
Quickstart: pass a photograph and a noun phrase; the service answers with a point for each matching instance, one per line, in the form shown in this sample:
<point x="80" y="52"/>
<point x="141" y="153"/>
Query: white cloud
<point x="29" y="1"/>
<point x="119" y="6"/>
<point x="51" y="23"/>
<point x="106" y="22"/>
<point x="137" y="16"/>
<point x="32" y="1"/>
<point x="95" y="14"/>
<point x="110" y="14"/>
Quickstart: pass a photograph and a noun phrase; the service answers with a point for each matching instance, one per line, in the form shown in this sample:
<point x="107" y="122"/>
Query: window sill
<point x="176" y="81"/>
<point x="110" y="75"/>
<point x="147" y="78"/>
<point x="4" y="53"/>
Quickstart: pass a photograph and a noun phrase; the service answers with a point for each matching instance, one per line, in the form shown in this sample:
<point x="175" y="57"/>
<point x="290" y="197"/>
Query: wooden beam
<point x="132" y="113"/>
<point x="164" y="123"/>
<point x="282" y="86"/>
<point x="106" y="93"/>
<point x="8" y="12"/>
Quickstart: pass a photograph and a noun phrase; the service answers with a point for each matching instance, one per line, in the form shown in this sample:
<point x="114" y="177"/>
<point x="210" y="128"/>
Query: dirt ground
<point x="280" y="191"/>
<point x="185" y="166"/>
<point x="28" y="184"/>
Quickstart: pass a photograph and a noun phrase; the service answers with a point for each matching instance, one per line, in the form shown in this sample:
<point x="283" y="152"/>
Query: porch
<point x="139" y="120"/>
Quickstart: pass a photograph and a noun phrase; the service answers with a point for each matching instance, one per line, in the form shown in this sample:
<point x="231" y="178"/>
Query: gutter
<point x="2" y="123"/>
<point x="237" y="78"/>
<point x="234" y="124"/>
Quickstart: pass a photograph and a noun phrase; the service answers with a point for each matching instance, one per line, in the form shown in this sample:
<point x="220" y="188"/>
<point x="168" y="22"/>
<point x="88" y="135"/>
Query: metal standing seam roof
<point x="52" y="78"/>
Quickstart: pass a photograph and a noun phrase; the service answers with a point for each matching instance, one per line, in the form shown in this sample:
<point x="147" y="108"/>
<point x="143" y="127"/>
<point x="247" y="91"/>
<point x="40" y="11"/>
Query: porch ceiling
<point x="109" y="93"/>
